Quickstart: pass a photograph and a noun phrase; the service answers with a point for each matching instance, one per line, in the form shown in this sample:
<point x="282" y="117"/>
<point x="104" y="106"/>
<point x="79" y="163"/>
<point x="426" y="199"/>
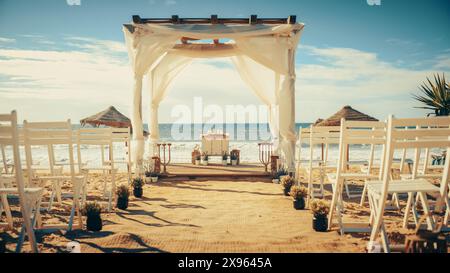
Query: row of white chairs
<point x="394" y="135"/>
<point x="48" y="134"/>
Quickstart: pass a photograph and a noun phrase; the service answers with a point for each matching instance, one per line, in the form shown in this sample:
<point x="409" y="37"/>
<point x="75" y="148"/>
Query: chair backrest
<point x="361" y="133"/>
<point x="303" y="138"/>
<point x="48" y="134"/>
<point x="418" y="134"/>
<point x="323" y="136"/>
<point x="97" y="137"/>
<point x="123" y="135"/>
<point x="9" y="136"/>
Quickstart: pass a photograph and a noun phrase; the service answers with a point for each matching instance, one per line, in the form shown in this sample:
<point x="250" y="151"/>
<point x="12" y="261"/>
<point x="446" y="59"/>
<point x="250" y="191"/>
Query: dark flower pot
<point x="287" y="190"/>
<point x="122" y="203"/>
<point x="94" y="223"/>
<point x="320" y="223"/>
<point x="299" y="204"/>
<point x="137" y="192"/>
<point x="2" y="246"/>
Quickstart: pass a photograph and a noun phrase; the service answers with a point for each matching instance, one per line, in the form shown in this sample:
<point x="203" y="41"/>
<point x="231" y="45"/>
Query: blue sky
<point x="70" y="60"/>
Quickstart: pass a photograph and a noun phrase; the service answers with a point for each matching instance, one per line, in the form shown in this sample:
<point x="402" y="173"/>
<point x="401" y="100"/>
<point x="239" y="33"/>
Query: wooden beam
<point x="175" y="19"/>
<point x="292" y="19"/>
<point x="214" y="19"/>
<point x="137" y="19"/>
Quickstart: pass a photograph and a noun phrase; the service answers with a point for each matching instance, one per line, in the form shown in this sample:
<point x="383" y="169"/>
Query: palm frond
<point x="435" y="96"/>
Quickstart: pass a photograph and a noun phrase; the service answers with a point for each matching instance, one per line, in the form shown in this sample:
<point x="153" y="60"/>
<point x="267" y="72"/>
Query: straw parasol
<point x="348" y="113"/>
<point x="110" y="117"/>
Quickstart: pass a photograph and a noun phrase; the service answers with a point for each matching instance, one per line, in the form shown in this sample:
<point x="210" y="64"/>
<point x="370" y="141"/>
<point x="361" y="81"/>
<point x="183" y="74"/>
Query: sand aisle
<point x="208" y="216"/>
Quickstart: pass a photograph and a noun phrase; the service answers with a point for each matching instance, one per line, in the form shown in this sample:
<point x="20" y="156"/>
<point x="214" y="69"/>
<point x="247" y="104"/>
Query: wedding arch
<point x="160" y="48"/>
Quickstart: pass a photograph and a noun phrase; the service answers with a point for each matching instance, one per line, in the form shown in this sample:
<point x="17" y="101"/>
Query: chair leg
<point x="363" y="195"/>
<point x="407" y="209"/>
<point x="7" y="210"/>
<point x="426" y="210"/>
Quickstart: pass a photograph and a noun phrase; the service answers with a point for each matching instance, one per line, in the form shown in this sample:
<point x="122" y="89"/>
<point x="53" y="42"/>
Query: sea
<point x="185" y="137"/>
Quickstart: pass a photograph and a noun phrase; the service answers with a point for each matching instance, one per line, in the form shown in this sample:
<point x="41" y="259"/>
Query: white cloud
<point x="349" y="76"/>
<point x="7" y="40"/>
<point x="170" y="2"/>
<point x="93" y="74"/>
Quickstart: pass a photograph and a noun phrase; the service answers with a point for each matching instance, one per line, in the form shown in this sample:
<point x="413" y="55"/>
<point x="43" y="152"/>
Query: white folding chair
<point x="102" y="137"/>
<point x="48" y="134"/>
<point x="428" y="133"/>
<point x="29" y="198"/>
<point x="322" y="136"/>
<point x="353" y="133"/>
<point x="303" y="139"/>
<point x="123" y="136"/>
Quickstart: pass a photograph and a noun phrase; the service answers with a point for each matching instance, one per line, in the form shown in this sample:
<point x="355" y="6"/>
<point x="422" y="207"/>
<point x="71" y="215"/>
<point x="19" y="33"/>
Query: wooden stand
<point x="274" y="164"/>
<point x="418" y="244"/>
<point x="165" y="161"/>
<point x="265" y="153"/>
<point x="238" y="156"/>
<point x="157" y="164"/>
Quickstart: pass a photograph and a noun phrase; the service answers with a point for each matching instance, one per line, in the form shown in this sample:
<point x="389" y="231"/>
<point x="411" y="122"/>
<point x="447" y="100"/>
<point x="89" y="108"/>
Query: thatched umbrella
<point x="348" y="113"/>
<point x="110" y="117"/>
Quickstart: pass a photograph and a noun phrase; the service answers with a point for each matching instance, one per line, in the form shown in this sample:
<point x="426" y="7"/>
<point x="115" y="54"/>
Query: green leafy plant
<point x="205" y="157"/>
<point x="435" y="96"/>
<point x="91" y="209"/>
<point x="137" y="182"/>
<point x="123" y="192"/>
<point x="298" y="192"/>
<point x="319" y="207"/>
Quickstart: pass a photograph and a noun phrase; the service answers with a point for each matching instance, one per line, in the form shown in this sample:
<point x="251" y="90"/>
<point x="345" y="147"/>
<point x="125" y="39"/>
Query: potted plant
<point x="298" y="194"/>
<point x="154" y="177"/>
<point x="224" y="159"/>
<point x="2" y="246"/>
<point x="205" y="158"/>
<point x="233" y="158"/>
<point x="92" y="211"/>
<point x="137" y="183"/>
<point x="123" y="193"/>
<point x="147" y="176"/>
<point x="320" y="209"/>
<point x="197" y="160"/>
<point x="278" y="174"/>
<point x="287" y="182"/>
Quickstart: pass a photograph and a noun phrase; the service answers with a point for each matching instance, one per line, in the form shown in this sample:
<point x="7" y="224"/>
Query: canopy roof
<point x="262" y="50"/>
<point x="348" y="113"/>
<point x="109" y="117"/>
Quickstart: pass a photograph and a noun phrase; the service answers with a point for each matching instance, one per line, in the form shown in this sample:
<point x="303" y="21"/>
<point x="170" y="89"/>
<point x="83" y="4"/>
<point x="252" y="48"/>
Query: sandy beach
<point x="208" y="215"/>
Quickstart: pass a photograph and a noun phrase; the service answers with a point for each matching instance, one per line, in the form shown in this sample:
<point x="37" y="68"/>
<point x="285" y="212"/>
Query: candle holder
<point x="265" y="154"/>
<point x="165" y="161"/>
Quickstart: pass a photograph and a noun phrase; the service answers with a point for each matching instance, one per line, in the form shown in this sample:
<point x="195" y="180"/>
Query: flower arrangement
<point x="298" y="192"/>
<point x="320" y="208"/>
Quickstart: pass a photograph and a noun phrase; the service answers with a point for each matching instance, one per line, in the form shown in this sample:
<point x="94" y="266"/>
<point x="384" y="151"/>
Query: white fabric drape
<point x="264" y="84"/>
<point x="159" y="79"/>
<point x="258" y="50"/>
